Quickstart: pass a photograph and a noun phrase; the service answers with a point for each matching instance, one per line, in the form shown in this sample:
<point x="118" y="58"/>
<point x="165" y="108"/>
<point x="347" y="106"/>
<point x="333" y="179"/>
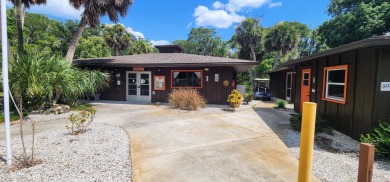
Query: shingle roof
<point x="383" y="40"/>
<point x="167" y="60"/>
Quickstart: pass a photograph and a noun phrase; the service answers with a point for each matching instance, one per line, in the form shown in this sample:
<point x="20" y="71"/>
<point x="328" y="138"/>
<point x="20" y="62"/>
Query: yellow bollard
<point x="307" y="141"/>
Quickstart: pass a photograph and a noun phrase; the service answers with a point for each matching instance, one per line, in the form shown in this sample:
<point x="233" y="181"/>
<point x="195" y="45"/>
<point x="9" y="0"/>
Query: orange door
<point x="305" y="86"/>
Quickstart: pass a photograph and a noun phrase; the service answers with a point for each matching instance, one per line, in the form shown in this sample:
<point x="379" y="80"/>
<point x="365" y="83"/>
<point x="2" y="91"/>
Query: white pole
<point x="5" y="79"/>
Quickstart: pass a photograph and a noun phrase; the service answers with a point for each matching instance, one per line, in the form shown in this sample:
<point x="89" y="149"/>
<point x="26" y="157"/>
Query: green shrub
<point x="78" y="123"/>
<point x="380" y="137"/>
<point x="280" y="103"/>
<point x="186" y="99"/>
<point x="81" y="107"/>
<point x="322" y="125"/>
<point x="248" y="97"/>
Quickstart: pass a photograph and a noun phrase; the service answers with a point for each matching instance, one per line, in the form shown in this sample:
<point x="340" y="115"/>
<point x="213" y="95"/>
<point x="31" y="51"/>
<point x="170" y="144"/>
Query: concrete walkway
<point x="172" y="146"/>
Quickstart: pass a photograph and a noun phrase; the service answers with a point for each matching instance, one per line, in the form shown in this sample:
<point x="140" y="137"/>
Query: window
<point x="306" y="79"/>
<point x="186" y="78"/>
<point x="335" y="84"/>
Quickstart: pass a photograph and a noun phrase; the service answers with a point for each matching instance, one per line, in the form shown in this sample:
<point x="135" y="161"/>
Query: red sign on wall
<point x="138" y="68"/>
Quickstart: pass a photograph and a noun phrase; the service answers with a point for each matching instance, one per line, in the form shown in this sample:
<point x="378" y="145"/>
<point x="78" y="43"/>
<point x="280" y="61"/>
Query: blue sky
<point x="163" y="21"/>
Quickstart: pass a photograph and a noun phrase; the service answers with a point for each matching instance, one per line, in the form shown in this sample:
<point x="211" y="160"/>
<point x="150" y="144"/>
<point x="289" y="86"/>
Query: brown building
<point x="350" y="84"/>
<point x="150" y="77"/>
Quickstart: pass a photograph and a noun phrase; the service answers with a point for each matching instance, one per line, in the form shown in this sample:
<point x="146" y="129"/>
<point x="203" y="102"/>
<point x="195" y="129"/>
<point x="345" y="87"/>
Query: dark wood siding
<point x="355" y="117"/>
<point x="278" y="84"/>
<point x="213" y="92"/>
<point x="382" y="99"/>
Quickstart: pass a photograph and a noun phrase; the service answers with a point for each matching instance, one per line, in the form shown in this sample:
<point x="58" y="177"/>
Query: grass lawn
<point x="81" y="107"/>
<point x="13" y="116"/>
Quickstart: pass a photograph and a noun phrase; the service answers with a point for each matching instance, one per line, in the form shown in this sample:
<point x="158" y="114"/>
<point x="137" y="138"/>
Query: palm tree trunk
<point x="10" y="55"/>
<point x="276" y="63"/>
<point x="79" y="31"/>
<point x="252" y="70"/>
<point x="18" y="10"/>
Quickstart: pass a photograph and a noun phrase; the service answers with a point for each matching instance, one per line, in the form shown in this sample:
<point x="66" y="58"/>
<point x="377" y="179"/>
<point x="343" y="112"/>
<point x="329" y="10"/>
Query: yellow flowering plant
<point x="235" y="99"/>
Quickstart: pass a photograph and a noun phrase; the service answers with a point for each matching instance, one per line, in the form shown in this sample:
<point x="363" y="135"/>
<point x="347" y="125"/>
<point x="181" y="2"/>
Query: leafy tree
<point x="311" y="45"/>
<point x="20" y="10"/>
<point x="93" y="10"/>
<point x="92" y="47"/>
<point x="355" y="20"/>
<point x="117" y="38"/>
<point x="203" y="41"/>
<point x="248" y="36"/>
<point x="281" y="38"/>
<point x="141" y="47"/>
<point x="187" y="46"/>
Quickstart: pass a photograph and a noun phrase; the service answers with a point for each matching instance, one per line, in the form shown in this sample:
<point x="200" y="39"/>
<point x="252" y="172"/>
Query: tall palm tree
<point x="117" y="38"/>
<point x="281" y="38"/>
<point x="94" y="9"/>
<point x="248" y="36"/>
<point x="20" y="11"/>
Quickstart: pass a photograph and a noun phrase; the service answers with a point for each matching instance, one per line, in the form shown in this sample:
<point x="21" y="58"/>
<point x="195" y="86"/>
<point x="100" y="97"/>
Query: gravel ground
<point x="210" y="108"/>
<point x="336" y="157"/>
<point x="100" y="154"/>
<point x="47" y="117"/>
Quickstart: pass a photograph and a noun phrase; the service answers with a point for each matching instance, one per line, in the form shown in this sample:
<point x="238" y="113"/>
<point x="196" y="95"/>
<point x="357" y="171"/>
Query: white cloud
<point x="189" y="25"/>
<point x="275" y="4"/>
<point x="218" y="5"/>
<point x="237" y="5"/>
<point x="139" y="35"/>
<point x="216" y="18"/>
<point x="159" y="42"/>
<point x="58" y="8"/>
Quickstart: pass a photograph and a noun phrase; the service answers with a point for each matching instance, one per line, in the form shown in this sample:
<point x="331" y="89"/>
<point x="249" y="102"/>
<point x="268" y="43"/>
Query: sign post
<point x="4" y="39"/>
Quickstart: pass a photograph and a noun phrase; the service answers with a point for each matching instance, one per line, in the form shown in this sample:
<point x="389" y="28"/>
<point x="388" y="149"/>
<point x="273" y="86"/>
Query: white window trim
<point x="328" y="83"/>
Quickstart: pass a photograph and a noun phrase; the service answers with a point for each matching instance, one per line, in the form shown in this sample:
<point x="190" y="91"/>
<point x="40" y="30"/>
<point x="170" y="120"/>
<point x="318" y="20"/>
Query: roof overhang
<point x="239" y="67"/>
<point x="365" y="43"/>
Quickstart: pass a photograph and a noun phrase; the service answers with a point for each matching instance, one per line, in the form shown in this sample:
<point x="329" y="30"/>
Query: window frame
<point x="325" y="85"/>
<point x="201" y="78"/>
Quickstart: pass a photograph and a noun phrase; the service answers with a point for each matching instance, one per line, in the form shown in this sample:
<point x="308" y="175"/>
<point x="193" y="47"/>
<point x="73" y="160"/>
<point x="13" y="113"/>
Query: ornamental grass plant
<point x="186" y="99"/>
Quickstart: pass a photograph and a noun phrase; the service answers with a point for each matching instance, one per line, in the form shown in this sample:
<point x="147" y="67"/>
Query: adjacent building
<point x="350" y="84"/>
<point x="151" y="77"/>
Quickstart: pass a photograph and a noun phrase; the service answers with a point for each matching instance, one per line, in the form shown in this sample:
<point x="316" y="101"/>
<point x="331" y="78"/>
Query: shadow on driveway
<point x="277" y="120"/>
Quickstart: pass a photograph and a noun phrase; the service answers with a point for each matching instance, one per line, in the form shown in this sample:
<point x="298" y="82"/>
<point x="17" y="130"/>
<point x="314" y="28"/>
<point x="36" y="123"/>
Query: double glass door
<point x="138" y="86"/>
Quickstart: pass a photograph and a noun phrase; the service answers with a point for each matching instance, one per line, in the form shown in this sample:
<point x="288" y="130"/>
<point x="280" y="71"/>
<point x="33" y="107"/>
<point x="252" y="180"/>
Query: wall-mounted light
<point x="159" y="69"/>
<point x="206" y="69"/>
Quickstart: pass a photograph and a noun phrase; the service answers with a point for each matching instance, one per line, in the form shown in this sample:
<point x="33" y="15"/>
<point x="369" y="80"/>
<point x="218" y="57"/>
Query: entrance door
<point x="305" y="86"/>
<point x="288" y="86"/>
<point x="138" y="86"/>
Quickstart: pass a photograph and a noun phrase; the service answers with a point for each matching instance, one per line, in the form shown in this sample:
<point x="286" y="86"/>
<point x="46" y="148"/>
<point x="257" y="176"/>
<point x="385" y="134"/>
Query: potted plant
<point x="235" y="99"/>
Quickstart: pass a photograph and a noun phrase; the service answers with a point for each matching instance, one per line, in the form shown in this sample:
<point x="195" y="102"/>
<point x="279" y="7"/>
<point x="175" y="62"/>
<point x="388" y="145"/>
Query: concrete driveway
<point x="172" y="146"/>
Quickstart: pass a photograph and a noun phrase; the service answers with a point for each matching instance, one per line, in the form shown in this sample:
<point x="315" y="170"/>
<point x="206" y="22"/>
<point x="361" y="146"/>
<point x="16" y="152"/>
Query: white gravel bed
<point x="47" y="117"/>
<point x="340" y="161"/>
<point x="210" y="108"/>
<point x="100" y="154"/>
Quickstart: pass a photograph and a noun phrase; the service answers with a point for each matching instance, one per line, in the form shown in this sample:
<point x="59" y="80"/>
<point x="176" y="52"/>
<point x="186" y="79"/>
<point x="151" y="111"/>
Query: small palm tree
<point x="281" y="38"/>
<point x="94" y="9"/>
<point x="117" y="38"/>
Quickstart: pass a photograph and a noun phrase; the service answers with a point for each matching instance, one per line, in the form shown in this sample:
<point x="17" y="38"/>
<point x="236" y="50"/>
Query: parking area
<point x="173" y="146"/>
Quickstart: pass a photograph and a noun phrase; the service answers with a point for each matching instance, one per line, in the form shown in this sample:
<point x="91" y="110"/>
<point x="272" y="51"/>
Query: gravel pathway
<point x="210" y="108"/>
<point x="47" y="117"/>
<point x="336" y="158"/>
<point x="100" y="154"/>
